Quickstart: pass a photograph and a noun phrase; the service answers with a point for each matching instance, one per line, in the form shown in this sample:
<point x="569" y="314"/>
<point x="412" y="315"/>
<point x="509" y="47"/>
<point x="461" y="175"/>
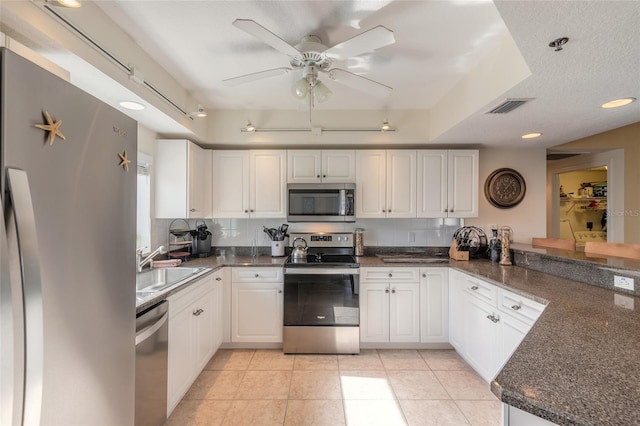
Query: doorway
<point x="581" y="192"/>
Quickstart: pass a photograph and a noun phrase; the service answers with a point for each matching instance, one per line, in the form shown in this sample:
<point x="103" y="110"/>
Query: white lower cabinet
<point x="487" y="323"/>
<point x="257" y="303"/>
<point x="434" y="305"/>
<point x="192" y="322"/>
<point x="389" y="305"/>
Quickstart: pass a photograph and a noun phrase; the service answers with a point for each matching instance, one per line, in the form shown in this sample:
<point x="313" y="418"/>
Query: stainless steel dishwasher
<point x="151" y="365"/>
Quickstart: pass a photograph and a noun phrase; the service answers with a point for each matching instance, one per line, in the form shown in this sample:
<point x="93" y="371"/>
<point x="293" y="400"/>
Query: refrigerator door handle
<point x="20" y="205"/>
<point x="11" y="338"/>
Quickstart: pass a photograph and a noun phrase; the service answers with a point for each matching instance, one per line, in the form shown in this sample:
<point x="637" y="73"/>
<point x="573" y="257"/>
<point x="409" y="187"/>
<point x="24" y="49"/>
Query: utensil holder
<point x="277" y="248"/>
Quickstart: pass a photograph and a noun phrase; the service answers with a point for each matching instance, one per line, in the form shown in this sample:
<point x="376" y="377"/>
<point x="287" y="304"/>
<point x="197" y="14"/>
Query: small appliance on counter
<point x="200" y="240"/>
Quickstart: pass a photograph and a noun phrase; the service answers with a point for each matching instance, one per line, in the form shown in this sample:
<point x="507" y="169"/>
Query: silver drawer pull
<point x="256" y="275"/>
<point x="424" y="275"/>
<point x="279" y="291"/>
<point x="516" y="307"/>
<point x="393" y="291"/>
<point x="198" y="312"/>
<point x="390" y="275"/>
<point x="218" y="279"/>
<point x="493" y="318"/>
<point x="475" y="287"/>
<point x="386" y="290"/>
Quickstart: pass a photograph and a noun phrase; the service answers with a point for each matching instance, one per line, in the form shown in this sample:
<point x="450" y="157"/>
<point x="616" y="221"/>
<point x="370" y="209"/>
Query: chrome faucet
<point x="140" y="262"/>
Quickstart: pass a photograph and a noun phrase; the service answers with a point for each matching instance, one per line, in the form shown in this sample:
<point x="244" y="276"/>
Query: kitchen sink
<point x="158" y="279"/>
<point x="413" y="258"/>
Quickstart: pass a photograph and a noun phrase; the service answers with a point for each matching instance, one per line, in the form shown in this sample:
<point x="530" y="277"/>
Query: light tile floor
<point x="377" y="387"/>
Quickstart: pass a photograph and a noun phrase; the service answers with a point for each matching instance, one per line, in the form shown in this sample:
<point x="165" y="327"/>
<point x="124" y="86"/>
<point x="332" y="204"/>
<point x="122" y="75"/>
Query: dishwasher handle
<point x="148" y="331"/>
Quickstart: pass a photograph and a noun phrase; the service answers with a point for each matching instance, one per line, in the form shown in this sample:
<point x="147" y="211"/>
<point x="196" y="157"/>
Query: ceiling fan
<point x="312" y="57"/>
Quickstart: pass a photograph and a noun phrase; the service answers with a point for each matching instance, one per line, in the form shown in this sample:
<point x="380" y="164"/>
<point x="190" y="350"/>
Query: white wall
<point x="527" y="219"/>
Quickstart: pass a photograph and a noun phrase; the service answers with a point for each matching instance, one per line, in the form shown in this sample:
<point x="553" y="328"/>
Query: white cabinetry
<point x="434" y="305"/>
<point x="447" y="183"/>
<point x="218" y="278"/>
<point x="182" y="180"/>
<point x="314" y="166"/>
<point x="487" y="322"/>
<point x="386" y="183"/>
<point x="192" y="316"/>
<point x="249" y="184"/>
<point x="257" y="305"/>
<point x="389" y="305"/>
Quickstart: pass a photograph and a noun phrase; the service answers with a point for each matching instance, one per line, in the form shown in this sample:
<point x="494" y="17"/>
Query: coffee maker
<point x="200" y="241"/>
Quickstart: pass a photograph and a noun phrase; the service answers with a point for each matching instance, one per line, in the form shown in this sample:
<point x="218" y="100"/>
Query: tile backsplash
<point x="377" y="232"/>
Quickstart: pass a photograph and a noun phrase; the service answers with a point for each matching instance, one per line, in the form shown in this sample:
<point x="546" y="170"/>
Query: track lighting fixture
<point x="65" y="3"/>
<point x="201" y="112"/>
<point x="250" y="127"/>
<point x="385" y="126"/>
<point x="558" y="43"/>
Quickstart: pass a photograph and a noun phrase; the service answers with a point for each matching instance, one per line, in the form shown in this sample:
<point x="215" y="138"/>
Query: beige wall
<point x="527" y="219"/>
<point x="628" y="139"/>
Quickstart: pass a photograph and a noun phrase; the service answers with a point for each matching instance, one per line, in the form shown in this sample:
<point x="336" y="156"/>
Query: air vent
<point x="509" y="105"/>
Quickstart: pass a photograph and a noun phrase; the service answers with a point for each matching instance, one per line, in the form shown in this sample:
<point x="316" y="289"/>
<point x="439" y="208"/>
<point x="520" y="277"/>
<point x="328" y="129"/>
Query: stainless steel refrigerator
<point x="67" y="252"/>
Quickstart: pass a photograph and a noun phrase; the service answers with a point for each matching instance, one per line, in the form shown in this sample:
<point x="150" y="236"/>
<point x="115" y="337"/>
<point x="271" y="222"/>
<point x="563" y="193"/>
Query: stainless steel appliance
<point x="321" y="301"/>
<point x="152" y="330"/>
<point x="68" y="258"/>
<point x="321" y="202"/>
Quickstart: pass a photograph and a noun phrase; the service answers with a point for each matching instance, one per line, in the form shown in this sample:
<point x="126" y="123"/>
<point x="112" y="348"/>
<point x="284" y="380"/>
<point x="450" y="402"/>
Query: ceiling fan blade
<point x="359" y="82"/>
<point x="247" y="78"/>
<point x="261" y="33"/>
<point x="364" y="42"/>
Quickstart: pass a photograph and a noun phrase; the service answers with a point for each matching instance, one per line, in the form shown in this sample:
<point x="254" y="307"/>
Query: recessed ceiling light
<point x="136" y="106"/>
<point x="618" y="103"/>
<point x="531" y="135"/>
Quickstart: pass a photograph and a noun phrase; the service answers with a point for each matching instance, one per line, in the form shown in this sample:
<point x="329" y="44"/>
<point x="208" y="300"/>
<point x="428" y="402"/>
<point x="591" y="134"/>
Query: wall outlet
<point x="623" y="282"/>
<point x="623" y="301"/>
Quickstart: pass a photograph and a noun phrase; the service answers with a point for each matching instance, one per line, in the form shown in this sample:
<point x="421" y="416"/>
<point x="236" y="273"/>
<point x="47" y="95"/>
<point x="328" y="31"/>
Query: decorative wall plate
<point x="505" y="188"/>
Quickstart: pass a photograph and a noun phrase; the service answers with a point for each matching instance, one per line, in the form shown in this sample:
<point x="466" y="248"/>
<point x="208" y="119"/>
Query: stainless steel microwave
<point x="321" y="202"/>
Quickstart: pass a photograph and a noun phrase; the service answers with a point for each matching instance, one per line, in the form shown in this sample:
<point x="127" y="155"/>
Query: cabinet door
<point x="304" y="166"/>
<point x="481" y="337"/>
<point x="268" y="187"/>
<point x="370" y="183"/>
<point x="205" y="315"/>
<point x="339" y="166"/>
<point x="512" y="332"/>
<point x="218" y="299"/>
<point x="180" y="357"/>
<point x="401" y="183"/>
<point x="171" y="178"/>
<point x="463" y="183"/>
<point x="195" y="182"/>
<point x="457" y="317"/>
<point x="230" y="184"/>
<point x="404" y="312"/>
<point x="374" y="312"/>
<point x="432" y="183"/>
<point x="257" y="312"/>
<point x="434" y="305"/>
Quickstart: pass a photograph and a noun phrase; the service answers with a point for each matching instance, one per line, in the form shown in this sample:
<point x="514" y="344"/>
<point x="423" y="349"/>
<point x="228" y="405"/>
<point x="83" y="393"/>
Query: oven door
<point x="321" y="297"/>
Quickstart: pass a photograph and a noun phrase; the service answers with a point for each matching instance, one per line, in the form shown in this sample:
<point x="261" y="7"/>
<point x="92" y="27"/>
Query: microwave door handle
<point x="23" y="232"/>
<point x="11" y="336"/>
<point x="343" y="202"/>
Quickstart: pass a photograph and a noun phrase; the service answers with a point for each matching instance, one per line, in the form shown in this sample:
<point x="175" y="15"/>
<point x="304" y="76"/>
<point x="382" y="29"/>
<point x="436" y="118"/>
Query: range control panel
<point x="324" y="239"/>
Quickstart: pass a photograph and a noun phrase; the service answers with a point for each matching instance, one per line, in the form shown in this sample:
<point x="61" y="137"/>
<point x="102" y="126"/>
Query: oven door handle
<point x="321" y="271"/>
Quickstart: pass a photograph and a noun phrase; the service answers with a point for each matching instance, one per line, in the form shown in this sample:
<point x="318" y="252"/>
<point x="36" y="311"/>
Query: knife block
<point x="456" y="254"/>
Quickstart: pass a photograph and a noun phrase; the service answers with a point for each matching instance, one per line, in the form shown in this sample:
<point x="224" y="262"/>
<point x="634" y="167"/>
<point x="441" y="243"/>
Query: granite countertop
<point x="580" y="363"/>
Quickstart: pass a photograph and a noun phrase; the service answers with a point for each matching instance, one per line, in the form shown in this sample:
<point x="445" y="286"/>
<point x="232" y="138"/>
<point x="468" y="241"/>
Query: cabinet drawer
<point x="481" y="290"/>
<point x="390" y="274"/>
<point x="256" y="275"/>
<point x="190" y="295"/>
<point x="519" y="307"/>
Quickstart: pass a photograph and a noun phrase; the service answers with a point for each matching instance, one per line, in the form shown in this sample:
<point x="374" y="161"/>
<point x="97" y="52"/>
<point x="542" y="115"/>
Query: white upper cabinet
<point x="314" y="166"/>
<point x="249" y="184"/>
<point x="182" y="180"/>
<point x="267" y="183"/>
<point x="231" y="184"/>
<point x="447" y="183"/>
<point x="386" y="183"/>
